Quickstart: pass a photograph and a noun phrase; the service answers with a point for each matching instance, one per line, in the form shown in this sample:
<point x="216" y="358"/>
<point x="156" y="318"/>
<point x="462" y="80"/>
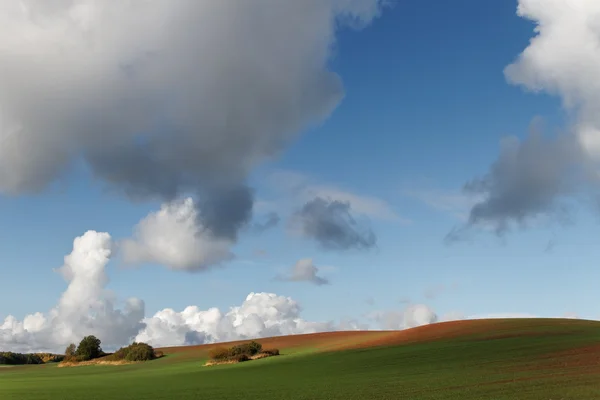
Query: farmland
<point x="484" y="359"/>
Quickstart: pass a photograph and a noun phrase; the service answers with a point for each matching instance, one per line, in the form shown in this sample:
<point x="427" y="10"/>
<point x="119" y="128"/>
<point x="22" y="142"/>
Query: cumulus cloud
<point x="160" y="98"/>
<point x="85" y="308"/>
<point x="532" y="178"/>
<point x="331" y="224"/>
<point x="305" y="271"/>
<point x="564" y="59"/>
<point x="174" y="237"/>
<point x="260" y="315"/>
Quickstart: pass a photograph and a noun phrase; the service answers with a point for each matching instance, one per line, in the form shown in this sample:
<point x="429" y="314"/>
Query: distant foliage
<point x="89" y="348"/>
<point x="49" y="357"/>
<point x="136" y="352"/>
<point x="10" y="358"/>
<point x="240" y="352"/>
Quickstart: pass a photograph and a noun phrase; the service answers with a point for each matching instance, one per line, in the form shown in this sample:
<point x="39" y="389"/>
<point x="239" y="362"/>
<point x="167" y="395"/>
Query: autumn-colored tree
<point x="70" y="350"/>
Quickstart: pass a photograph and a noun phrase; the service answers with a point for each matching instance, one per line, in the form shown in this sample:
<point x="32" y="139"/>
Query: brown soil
<point x="314" y="340"/>
<point x="343" y="340"/>
<point x="336" y="341"/>
<point x="578" y="360"/>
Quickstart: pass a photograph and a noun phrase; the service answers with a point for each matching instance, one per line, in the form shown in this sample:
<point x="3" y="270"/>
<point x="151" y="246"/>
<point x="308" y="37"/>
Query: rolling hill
<point x="478" y="359"/>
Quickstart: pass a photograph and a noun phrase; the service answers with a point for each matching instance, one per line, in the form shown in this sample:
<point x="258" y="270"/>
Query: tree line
<point x="89" y="348"/>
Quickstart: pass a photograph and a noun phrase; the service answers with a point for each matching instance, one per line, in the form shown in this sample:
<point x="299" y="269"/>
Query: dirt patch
<point x="93" y="362"/>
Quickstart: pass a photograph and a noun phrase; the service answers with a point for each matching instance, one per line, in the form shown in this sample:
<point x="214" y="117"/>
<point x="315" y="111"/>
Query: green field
<point x="509" y="359"/>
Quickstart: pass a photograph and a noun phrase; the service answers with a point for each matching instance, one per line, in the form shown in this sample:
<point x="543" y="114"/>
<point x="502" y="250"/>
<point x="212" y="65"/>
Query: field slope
<point x="482" y="359"/>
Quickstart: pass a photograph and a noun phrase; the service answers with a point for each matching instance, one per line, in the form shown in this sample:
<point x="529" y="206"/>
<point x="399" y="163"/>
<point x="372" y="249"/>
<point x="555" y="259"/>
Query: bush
<point x="241" y="357"/>
<point x="219" y="353"/>
<point x="271" y="352"/>
<point x="135" y="352"/>
<point x="140" y="352"/>
<point x="249" y="349"/>
<point x="240" y="352"/>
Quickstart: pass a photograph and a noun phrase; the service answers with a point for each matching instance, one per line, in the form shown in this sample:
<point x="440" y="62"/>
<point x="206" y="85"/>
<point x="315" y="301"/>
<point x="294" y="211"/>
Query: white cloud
<point x="84" y="308"/>
<point x="564" y="59"/>
<point x="305" y="271"/>
<point x="174" y="237"/>
<point x="260" y="315"/>
<point x="411" y="316"/>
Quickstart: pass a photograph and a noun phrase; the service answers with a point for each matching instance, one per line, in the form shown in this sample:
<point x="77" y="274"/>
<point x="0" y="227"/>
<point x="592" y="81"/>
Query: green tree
<point x="89" y="348"/>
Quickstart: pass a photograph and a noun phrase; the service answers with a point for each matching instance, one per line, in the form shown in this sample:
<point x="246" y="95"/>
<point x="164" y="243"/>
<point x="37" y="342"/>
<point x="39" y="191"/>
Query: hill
<point x="491" y="359"/>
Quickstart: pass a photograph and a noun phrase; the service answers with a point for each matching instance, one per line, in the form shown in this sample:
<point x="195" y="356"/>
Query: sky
<point x="194" y="171"/>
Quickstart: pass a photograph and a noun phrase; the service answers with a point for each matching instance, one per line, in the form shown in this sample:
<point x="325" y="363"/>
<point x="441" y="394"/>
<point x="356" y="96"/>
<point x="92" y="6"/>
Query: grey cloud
<point x="272" y="220"/>
<point x="530" y="179"/>
<point x="305" y="271"/>
<point x="224" y="212"/>
<point x="331" y="224"/>
<point x="165" y="99"/>
<point x="193" y="338"/>
<point x="540" y="176"/>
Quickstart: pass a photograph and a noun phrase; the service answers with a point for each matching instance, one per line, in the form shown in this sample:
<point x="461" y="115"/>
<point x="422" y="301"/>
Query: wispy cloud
<point x="290" y="188"/>
<point x="454" y="203"/>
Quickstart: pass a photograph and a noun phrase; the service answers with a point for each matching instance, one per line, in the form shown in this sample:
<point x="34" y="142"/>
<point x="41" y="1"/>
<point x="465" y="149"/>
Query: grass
<point x="509" y="359"/>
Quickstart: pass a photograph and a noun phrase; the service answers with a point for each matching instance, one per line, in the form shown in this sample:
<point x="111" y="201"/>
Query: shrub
<point x="219" y="353"/>
<point x="271" y="352"/>
<point x="241" y="357"/>
<point x="240" y="352"/>
<point x="140" y="352"/>
<point x="135" y="352"/>
<point x="249" y="349"/>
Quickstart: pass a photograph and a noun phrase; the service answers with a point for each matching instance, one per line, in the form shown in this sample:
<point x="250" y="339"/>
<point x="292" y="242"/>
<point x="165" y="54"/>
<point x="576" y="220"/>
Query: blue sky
<point x="426" y="106"/>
